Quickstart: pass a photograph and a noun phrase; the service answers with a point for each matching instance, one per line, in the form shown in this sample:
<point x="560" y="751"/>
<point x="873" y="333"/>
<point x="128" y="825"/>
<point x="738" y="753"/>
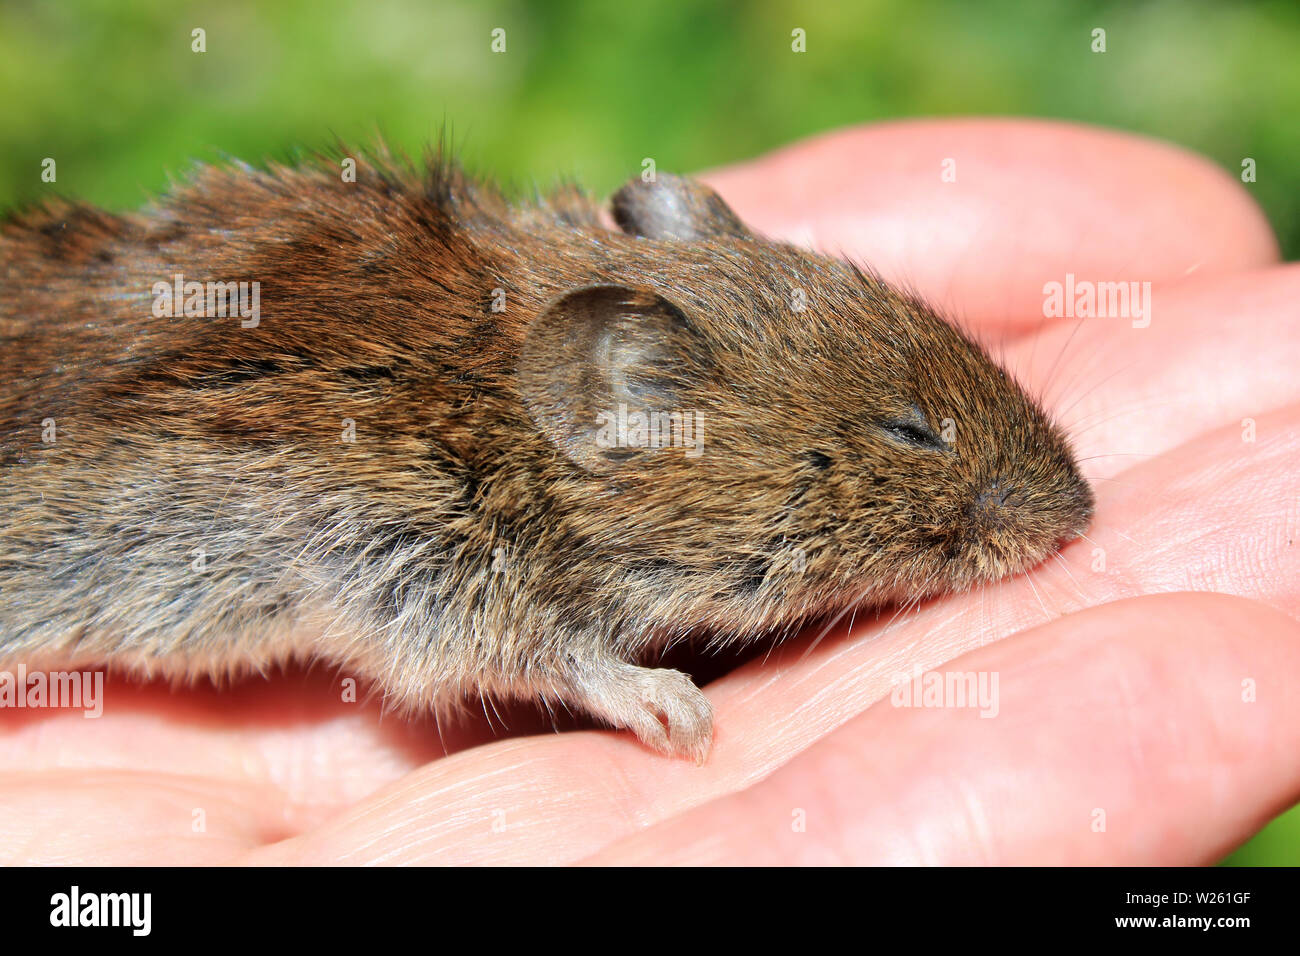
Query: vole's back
<point x="188" y="482"/>
<point x="335" y="262"/>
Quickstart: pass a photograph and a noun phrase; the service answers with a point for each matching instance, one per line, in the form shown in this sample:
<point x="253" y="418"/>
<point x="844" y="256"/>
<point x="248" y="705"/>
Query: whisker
<point x="1059" y="355"/>
<point x="1061" y="412"/>
<point x="1083" y="597"/>
<point x="1116" y="531"/>
<point x="1118" y="454"/>
<point x="1079" y="428"/>
<point x="826" y="630"/>
<point x="1030" y="578"/>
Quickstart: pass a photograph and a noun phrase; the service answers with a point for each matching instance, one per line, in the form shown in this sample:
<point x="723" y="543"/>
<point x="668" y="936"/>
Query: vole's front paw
<point x="661" y="706"/>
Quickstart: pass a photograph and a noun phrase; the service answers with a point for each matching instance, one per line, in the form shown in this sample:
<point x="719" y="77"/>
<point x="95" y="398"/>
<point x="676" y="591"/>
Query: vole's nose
<point x="994" y="496"/>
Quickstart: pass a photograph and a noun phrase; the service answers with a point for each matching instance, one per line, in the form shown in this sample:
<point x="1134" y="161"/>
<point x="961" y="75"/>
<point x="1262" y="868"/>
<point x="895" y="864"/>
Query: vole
<point x="461" y="444"/>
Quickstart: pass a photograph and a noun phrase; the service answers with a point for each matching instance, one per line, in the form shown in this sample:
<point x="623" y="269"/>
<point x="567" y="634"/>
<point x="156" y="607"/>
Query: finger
<point x="1216" y="351"/>
<point x="128" y="818"/>
<point x="259" y="759"/>
<point x="1154" y="731"/>
<point x="979" y="214"/>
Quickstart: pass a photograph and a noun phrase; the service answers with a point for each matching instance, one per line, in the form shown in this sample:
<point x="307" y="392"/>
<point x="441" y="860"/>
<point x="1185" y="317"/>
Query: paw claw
<point x="661" y="706"/>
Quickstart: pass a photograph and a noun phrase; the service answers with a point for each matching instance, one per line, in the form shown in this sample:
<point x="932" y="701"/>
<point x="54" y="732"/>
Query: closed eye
<point x="916" y="436"/>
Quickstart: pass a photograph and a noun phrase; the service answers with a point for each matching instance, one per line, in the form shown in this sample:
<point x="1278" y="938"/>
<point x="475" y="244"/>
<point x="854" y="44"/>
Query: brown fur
<point x="473" y="538"/>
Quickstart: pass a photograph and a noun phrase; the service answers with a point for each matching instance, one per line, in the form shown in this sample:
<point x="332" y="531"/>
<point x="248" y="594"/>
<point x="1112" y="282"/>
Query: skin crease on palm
<point x="1120" y="690"/>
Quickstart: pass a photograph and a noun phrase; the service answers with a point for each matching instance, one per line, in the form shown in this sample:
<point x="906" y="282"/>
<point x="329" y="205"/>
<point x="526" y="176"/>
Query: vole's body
<point x="397" y="467"/>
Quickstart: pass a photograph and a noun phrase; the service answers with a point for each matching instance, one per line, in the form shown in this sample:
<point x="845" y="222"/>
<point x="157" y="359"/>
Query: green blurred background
<point x="112" y="91"/>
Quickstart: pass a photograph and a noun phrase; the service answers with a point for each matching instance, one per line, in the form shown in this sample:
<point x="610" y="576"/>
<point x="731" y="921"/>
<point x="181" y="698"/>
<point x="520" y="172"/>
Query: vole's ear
<point x="597" y="358"/>
<point x="674" y="207"/>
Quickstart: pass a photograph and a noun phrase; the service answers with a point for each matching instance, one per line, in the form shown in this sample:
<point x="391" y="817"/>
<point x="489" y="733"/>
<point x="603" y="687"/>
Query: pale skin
<point x="1142" y="717"/>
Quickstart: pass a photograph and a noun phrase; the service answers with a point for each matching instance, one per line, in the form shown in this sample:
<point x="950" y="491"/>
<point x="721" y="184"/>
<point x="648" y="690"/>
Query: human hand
<point x="1120" y="690"/>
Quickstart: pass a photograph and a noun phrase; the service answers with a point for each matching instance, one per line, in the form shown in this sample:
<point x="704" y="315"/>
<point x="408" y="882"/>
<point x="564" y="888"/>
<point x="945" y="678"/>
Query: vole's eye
<point x="914" y="435"/>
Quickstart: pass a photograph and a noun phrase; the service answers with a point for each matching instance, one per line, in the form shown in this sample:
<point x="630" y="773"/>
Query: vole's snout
<point x="996" y="508"/>
<point x="1082" y="507"/>
<point x="1012" y="524"/>
<point x="996" y="495"/>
